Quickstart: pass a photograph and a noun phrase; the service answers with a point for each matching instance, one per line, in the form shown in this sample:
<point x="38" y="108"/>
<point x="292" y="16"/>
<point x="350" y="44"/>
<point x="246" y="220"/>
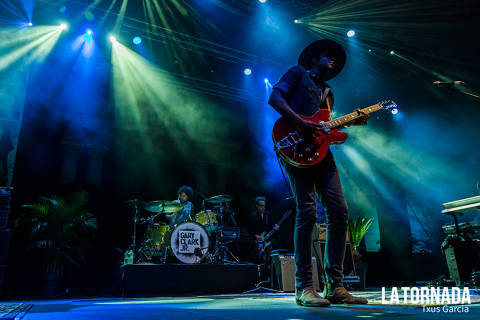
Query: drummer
<point x="184" y="196"/>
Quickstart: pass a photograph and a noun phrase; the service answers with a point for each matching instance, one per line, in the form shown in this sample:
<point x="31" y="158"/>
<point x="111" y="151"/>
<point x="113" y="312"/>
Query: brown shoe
<point x="308" y="297"/>
<point x="341" y="295"/>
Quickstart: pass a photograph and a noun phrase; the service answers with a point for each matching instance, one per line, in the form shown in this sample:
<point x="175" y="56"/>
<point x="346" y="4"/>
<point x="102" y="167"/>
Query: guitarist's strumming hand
<point x="312" y="127"/>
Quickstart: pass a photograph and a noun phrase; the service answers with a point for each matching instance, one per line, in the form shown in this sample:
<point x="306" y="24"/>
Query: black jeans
<point x="305" y="184"/>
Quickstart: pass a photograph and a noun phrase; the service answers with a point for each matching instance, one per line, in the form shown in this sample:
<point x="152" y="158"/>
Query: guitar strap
<point x="328" y="101"/>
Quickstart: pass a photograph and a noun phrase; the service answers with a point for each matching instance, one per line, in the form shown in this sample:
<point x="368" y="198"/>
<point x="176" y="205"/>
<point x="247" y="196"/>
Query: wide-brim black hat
<point x="332" y="50"/>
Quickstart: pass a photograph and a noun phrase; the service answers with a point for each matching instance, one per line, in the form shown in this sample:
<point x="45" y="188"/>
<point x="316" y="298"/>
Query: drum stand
<point x="148" y="249"/>
<point x="222" y="252"/>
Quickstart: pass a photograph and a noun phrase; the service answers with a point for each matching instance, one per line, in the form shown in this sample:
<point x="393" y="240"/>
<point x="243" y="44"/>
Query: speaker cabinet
<point x="283" y="272"/>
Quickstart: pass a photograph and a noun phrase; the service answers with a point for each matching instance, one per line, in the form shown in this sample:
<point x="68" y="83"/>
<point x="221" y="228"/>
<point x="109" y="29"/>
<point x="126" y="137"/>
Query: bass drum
<point x="189" y="242"/>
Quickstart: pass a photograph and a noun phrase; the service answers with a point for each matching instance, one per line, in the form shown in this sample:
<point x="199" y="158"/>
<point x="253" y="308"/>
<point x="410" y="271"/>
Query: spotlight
<point x="369" y="50"/>
<point x="137" y="40"/>
<point x="63" y="26"/>
<point x="394" y="111"/>
<point x="392" y="52"/>
<point x="89" y="32"/>
<point x="262" y="1"/>
<point x="30" y="24"/>
<point x="247" y="71"/>
<point x="296" y="21"/>
<point x="350" y="33"/>
<point x="113" y="39"/>
<point x="266" y="80"/>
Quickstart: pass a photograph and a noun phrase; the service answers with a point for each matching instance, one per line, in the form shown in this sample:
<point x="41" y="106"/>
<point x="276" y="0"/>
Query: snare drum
<point x="189" y="242"/>
<point x="208" y="220"/>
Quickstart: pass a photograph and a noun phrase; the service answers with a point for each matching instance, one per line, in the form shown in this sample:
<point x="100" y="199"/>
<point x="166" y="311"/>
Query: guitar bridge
<point x="292" y="139"/>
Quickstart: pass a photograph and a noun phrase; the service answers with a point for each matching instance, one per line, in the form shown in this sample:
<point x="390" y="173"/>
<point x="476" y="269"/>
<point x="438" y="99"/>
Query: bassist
<point x="259" y="223"/>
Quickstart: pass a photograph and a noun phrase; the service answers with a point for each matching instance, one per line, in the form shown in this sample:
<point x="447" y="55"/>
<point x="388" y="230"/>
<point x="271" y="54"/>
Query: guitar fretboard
<point x="342" y="121"/>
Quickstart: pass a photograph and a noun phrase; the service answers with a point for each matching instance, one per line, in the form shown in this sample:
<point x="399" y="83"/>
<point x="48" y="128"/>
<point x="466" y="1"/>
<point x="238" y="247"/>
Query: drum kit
<point x="204" y="237"/>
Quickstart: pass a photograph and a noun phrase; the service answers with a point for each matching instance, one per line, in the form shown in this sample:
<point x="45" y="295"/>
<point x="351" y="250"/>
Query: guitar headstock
<point x="388" y="104"/>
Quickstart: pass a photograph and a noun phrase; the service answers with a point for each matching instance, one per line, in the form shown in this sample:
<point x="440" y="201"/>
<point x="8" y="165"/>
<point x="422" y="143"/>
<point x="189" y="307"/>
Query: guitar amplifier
<point x="283" y="272"/>
<point x="319" y="240"/>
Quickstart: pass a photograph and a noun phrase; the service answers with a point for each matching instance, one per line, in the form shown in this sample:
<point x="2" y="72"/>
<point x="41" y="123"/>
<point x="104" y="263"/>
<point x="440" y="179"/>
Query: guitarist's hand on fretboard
<point x="362" y="120"/>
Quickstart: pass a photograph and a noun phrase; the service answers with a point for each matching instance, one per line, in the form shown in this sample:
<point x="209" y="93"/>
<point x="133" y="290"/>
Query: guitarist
<point x="302" y="91"/>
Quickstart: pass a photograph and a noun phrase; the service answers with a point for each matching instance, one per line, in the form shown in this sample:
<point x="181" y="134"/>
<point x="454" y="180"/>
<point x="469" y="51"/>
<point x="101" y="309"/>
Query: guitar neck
<point x="342" y="121"/>
<point x="279" y="223"/>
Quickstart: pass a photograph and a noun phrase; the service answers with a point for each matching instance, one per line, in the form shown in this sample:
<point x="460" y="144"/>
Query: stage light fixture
<point x="296" y="21"/>
<point x="394" y="111"/>
<point x="113" y="39"/>
<point x="266" y="80"/>
<point x="30" y="24"/>
<point x="369" y="50"/>
<point x="351" y="33"/>
<point x="392" y="52"/>
<point x="262" y="1"/>
<point x="247" y="71"/>
<point x="63" y="26"/>
<point x="89" y="32"/>
<point x="137" y="40"/>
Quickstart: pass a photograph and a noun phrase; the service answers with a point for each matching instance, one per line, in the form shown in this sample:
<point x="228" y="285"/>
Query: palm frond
<point x="358" y="228"/>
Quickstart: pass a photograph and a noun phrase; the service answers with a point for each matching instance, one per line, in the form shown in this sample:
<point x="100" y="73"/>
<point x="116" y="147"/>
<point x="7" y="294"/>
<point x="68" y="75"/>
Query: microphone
<point x="446" y="83"/>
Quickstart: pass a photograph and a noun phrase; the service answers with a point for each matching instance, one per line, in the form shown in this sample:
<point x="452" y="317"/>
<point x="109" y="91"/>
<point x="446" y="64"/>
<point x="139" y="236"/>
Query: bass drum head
<point x="189" y="242"/>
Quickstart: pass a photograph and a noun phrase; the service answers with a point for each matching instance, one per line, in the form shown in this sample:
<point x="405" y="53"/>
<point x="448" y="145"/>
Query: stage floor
<point x="234" y="306"/>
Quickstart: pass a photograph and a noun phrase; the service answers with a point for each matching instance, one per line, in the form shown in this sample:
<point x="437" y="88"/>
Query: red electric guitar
<point x="302" y="150"/>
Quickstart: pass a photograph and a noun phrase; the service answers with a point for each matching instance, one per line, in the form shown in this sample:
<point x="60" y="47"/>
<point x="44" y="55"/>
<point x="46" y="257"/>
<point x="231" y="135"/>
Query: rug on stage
<point x="374" y="297"/>
<point x="14" y="311"/>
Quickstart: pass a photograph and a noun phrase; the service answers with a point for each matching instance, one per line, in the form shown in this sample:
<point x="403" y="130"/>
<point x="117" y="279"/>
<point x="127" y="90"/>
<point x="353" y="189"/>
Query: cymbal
<point x="220" y="198"/>
<point x="161" y="206"/>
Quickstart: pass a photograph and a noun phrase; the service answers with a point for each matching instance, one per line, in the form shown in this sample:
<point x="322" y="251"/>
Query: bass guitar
<point x="306" y="150"/>
<point x="263" y="245"/>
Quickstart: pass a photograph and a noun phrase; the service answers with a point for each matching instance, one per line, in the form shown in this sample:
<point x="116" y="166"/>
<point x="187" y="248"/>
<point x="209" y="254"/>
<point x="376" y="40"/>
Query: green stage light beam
<point x="120" y="16"/>
<point x="141" y="91"/>
<point x="106" y="14"/>
<point x="40" y="47"/>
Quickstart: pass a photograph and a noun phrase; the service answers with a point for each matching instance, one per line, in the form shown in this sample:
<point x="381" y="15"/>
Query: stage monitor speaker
<point x="283" y="272"/>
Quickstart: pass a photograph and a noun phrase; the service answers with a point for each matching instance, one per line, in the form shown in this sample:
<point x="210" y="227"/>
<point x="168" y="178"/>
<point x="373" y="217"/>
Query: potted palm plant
<point x="358" y="228"/>
<point x="56" y="227"/>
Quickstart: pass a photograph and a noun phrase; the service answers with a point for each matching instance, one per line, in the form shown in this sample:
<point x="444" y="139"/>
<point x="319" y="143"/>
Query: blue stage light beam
<point x="247" y="71"/>
<point x="351" y="33"/>
<point x="88" y="35"/>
